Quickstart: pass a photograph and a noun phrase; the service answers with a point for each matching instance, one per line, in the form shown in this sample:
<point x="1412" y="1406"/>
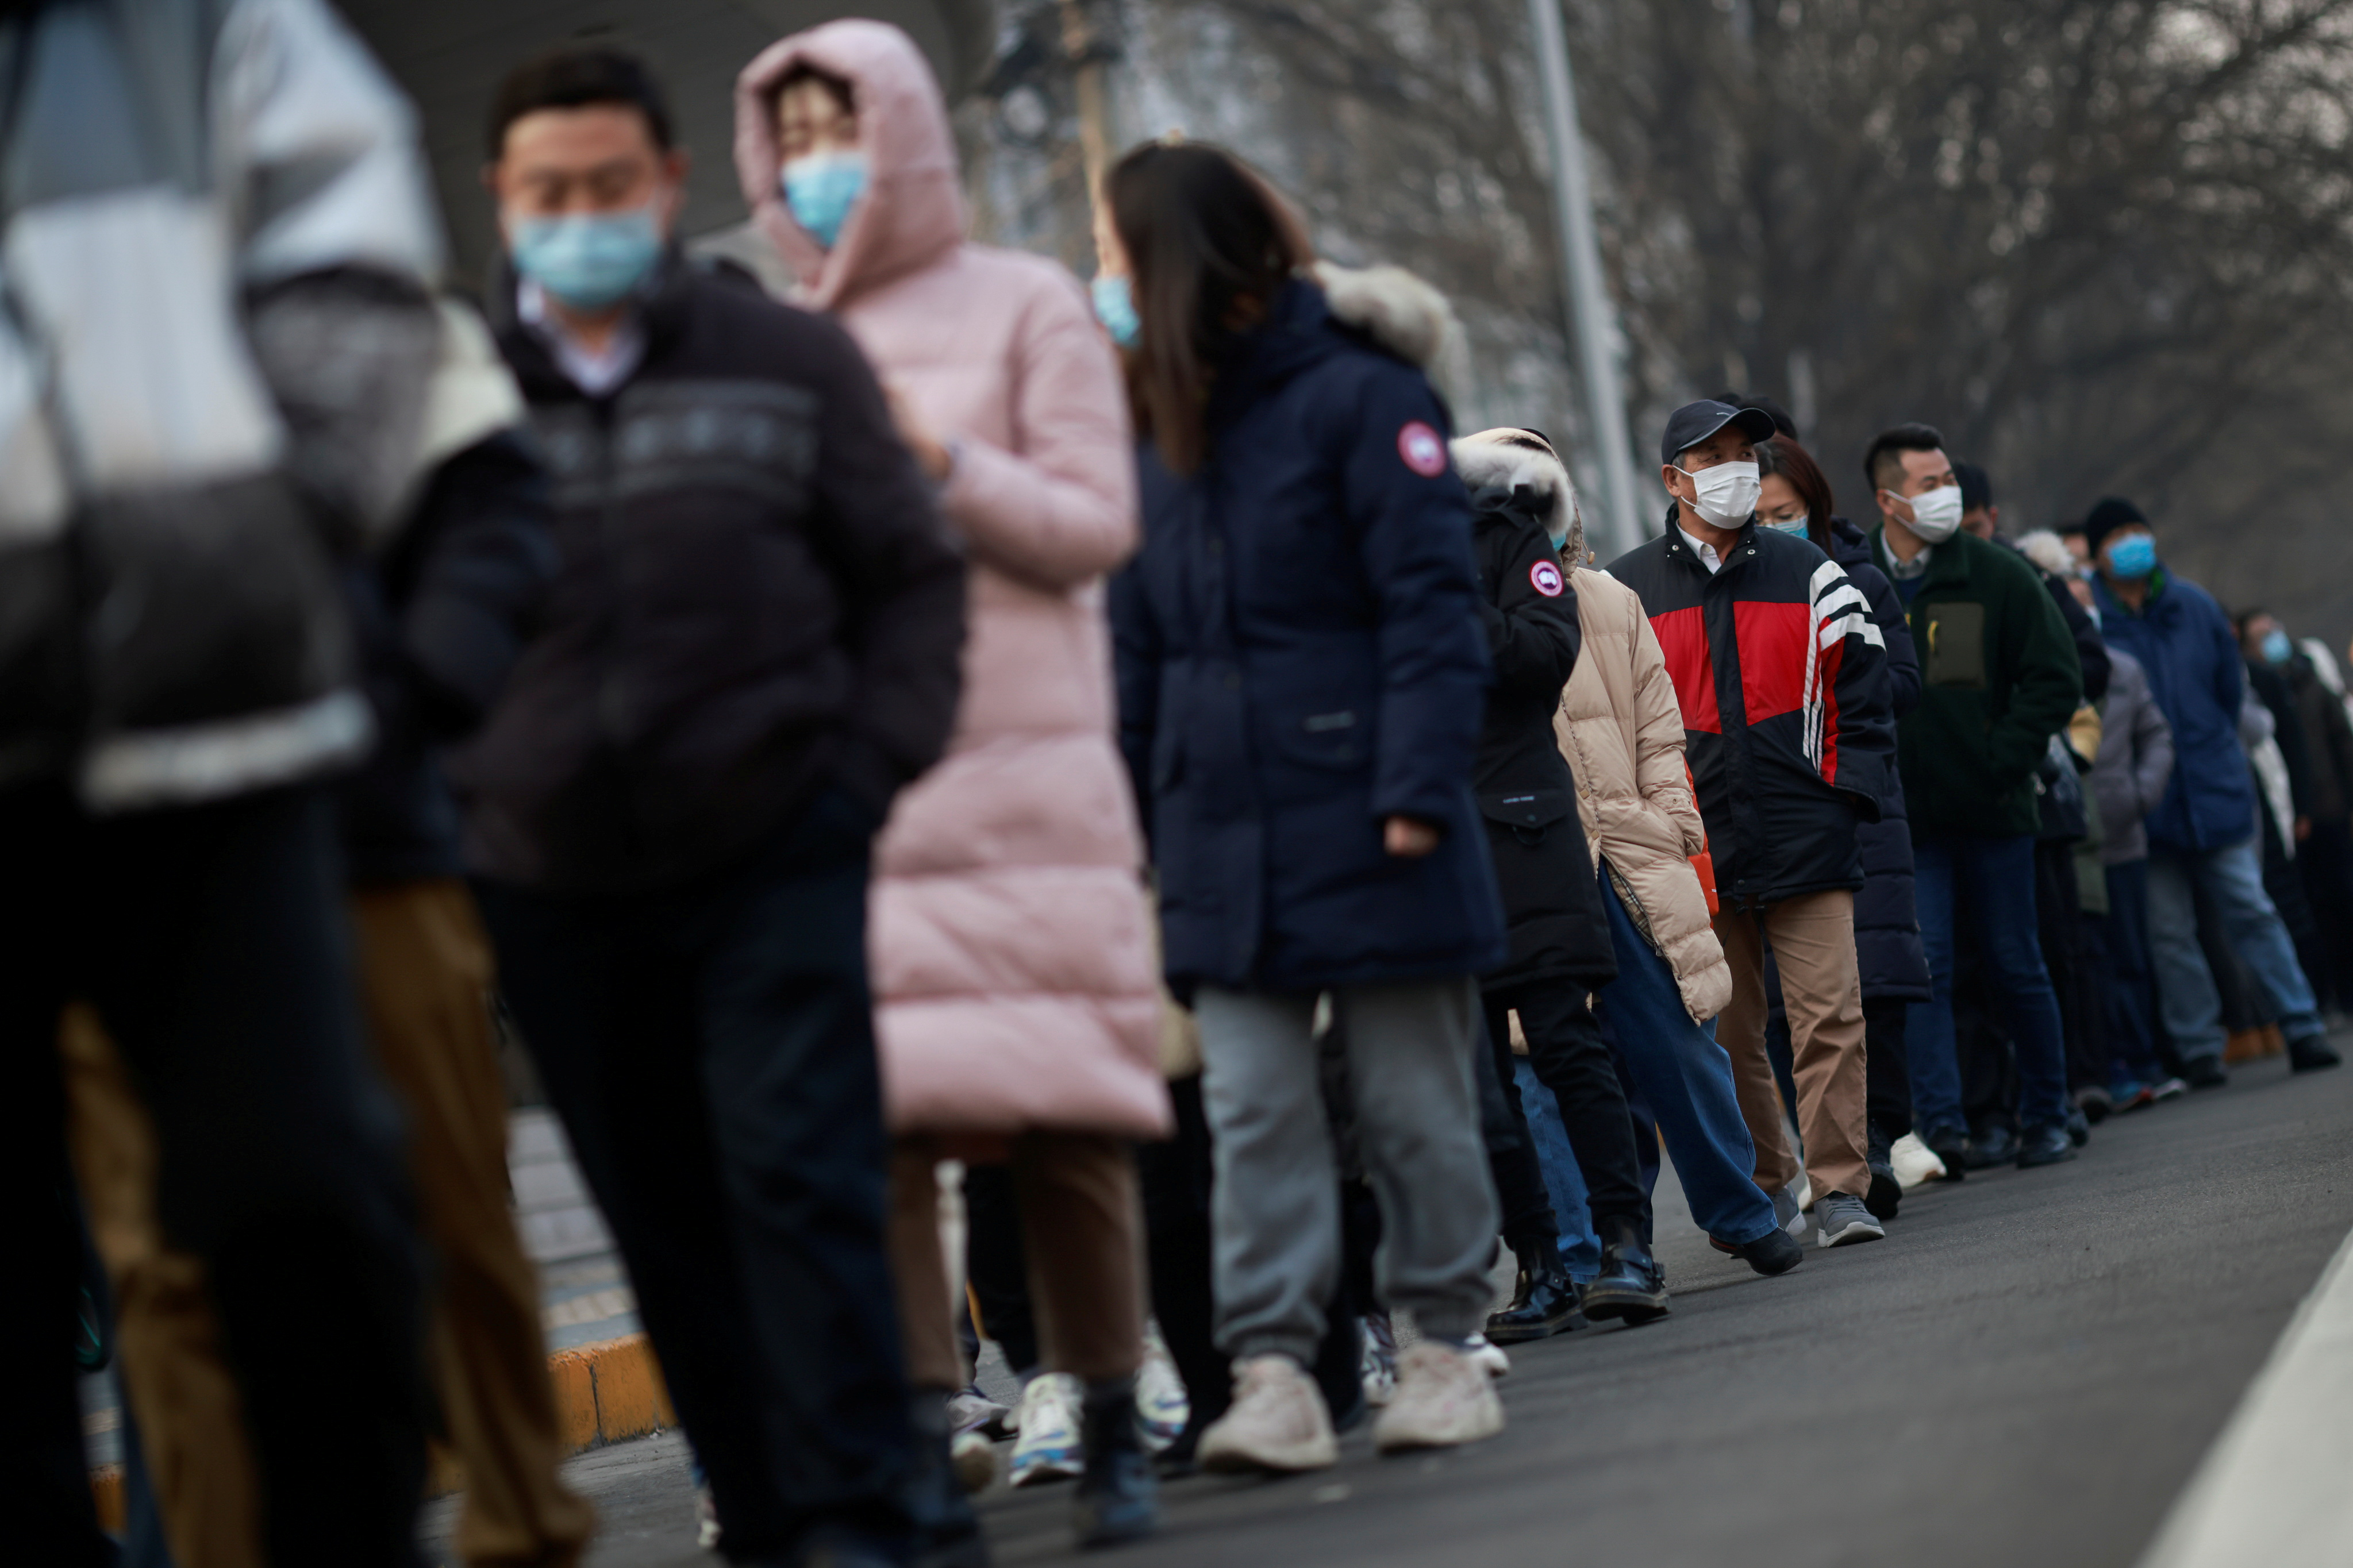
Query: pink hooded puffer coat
<point x="1012" y="964"/>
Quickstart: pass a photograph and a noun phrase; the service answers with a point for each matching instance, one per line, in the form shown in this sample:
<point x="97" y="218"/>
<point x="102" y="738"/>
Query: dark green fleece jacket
<point x="1998" y="678"/>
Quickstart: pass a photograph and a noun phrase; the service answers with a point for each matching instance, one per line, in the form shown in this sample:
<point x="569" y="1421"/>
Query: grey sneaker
<point x="1840" y="1220"/>
<point x="1277" y="1421"/>
<point x="1443" y="1397"/>
<point x="1788" y="1211"/>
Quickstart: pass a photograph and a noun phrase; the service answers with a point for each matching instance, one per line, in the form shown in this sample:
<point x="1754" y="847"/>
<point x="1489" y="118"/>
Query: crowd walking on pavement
<point x="938" y="734"/>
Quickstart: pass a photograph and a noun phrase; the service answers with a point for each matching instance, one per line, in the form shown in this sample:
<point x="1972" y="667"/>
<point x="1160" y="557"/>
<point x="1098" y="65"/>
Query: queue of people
<point x="1115" y="742"/>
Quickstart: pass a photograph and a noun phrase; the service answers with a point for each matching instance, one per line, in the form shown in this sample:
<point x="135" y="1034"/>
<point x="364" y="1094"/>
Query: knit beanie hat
<point x="2108" y="515"/>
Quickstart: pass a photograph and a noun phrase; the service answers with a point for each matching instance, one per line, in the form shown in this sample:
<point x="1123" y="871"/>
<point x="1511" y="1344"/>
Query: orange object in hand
<point x="1703" y="863"/>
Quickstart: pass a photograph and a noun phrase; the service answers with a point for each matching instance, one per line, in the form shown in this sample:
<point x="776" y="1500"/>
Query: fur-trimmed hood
<point x="1513" y="459"/>
<point x="1392" y="307"/>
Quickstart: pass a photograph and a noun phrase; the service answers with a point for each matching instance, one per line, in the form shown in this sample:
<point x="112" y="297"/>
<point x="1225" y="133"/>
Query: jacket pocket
<point x="1529" y="814"/>
<point x="1954" y="637"/>
<point x="1340" y="738"/>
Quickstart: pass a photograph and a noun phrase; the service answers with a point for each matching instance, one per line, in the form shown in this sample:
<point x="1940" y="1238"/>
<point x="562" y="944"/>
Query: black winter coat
<point x="1781" y="673"/>
<point x="1299" y="659"/>
<point x="756" y="601"/>
<point x="441" y="619"/>
<point x="1887" y="948"/>
<point x="1524" y="786"/>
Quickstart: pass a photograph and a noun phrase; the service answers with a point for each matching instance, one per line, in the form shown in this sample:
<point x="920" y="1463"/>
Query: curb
<point x="605" y="1393"/>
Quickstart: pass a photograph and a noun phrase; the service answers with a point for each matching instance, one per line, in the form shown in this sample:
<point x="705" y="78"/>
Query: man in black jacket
<point x="1560" y="947"/>
<point x="751" y="646"/>
<point x="1781" y="674"/>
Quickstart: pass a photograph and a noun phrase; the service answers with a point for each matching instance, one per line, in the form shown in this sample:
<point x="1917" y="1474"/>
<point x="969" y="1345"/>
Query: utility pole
<point x="1591" y="319"/>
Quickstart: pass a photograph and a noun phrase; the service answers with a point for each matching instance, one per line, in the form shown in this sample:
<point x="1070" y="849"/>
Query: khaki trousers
<point x="425" y="980"/>
<point x="1081" y="1231"/>
<point x="1814" y="947"/>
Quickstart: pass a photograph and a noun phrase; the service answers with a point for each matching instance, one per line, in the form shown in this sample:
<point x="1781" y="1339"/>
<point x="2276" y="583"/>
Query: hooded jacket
<point x="1781" y="674"/>
<point x="2135" y="766"/>
<point x="2190" y="652"/>
<point x="1300" y="657"/>
<point x="1621" y="731"/>
<point x="1522" y="779"/>
<point x="756" y="600"/>
<point x="1009" y="937"/>
<point x="1999" y="678"/>
<point x="218" y="234"/>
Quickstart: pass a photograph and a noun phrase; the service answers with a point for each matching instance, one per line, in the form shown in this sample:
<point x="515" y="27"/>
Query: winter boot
<point x="1630" y="1285"/>
<point x="1544" y="1304"/>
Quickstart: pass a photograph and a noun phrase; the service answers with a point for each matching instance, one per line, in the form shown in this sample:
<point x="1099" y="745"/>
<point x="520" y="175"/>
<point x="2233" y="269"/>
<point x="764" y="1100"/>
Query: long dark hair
<point x="1209" y="242"/>
<point x="1783" y="456"/>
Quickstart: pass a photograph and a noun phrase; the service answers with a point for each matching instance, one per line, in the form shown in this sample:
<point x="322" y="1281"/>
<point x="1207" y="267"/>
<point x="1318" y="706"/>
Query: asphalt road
<point x="2024" y="1373"/>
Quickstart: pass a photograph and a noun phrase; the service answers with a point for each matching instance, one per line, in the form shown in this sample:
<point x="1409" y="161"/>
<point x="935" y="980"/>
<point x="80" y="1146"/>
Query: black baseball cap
<point x="1694" y="422"/>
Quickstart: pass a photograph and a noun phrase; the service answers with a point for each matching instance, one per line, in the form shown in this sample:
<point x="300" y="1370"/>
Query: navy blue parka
<point x="1300" y="657"/>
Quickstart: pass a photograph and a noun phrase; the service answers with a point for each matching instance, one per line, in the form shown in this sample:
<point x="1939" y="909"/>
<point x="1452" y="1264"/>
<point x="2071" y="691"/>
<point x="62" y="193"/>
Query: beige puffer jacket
<point x="1621" y="728"/>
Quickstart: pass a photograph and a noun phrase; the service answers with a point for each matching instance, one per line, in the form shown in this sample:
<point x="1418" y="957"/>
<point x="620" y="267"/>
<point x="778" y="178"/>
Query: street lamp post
<point x="1591" y="317"/>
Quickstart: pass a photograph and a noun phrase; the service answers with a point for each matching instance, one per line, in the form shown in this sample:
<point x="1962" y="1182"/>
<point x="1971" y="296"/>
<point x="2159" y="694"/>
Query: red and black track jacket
<point x="1782" y="677"/>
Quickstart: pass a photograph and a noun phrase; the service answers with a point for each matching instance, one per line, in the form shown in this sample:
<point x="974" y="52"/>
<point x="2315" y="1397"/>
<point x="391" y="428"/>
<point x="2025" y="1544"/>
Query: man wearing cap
<point x="2201" y="837"/>
<point x="1780" y="672"/>
<point x="1999" y="678"/>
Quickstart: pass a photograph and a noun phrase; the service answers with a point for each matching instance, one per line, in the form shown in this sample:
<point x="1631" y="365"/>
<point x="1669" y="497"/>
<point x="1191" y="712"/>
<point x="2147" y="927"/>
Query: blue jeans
<point x="1677" y="1068"/>
<point x="1992" y="881"/>
<point x="1580" y="1249"/>
<point x="2125" y="979"/>
<point x="2232" y="877"/>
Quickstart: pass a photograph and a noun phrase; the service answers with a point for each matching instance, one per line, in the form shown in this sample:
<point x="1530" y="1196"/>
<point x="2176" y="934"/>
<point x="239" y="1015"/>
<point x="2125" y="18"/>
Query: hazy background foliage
<point x="2103" y="246"/>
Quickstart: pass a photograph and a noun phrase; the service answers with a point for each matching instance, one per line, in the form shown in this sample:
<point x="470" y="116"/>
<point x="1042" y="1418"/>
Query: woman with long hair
<point x="1302" y="673"/>
<point x="1796" y="497"/>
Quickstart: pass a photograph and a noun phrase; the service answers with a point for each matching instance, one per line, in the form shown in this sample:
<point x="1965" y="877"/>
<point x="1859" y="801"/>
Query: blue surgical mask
<point x="1795" y="525"/>
<point x="2278" y="649"/>
<point x="2133" y="556"/>
<point x="1115" y="308"/>
<point x="589" y="260"/>
<point x="821" y="189"/>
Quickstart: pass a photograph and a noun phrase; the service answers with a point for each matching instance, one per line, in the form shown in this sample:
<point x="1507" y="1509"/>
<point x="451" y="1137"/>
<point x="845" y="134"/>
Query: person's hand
<point x="2302" y="828"/>
<point x="1408" y="838"/>
<point x="930" y="456"/>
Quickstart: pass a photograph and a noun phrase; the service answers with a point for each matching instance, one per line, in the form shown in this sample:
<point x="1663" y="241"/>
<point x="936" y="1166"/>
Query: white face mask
<point x="1795" y="525"/>
<point x="1935" y="514"/>
<point x="1727" y="492"/>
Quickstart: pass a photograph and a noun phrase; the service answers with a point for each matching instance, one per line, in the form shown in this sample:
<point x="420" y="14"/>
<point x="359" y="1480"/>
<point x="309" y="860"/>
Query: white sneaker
<point x="706" y="1520"/>
<point x="1915" y="1163"/>
<point x="1377" y="1367"/>
<point x="1049" y="1447"/>
<point x="1277" y="1421"/>
<point x="1162" y="1405"/>
<point x="1490" y="1356"/>
<point x="1444" y="1397"/>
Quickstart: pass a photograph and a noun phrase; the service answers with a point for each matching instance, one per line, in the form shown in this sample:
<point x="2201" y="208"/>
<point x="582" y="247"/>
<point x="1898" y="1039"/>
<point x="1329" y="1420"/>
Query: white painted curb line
<point x="2273" y="1490"/>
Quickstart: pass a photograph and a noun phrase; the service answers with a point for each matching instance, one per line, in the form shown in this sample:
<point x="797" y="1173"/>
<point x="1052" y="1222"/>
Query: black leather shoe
<point x="2079" y="1126"/>
<point x="1990" y="1145"/>
<point x="947" y="1532"/>
<point x="1119" y="1495"/>
<point x="1544" y="1303"/>
<point x="1953" y="1149"/>
<point x="2312" y="1053"/>
<point x="2205" y="1072"/>
<point x="1630" y="1286"/>
<point x="1885" y="1192"/>
<point x="2095" y="1103"/>
<point x="2044" y="1146"/>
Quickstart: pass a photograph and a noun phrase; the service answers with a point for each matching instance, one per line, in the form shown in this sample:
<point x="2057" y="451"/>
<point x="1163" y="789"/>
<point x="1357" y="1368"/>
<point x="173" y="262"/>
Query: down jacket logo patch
<point x="1423" y="451"/>
<point x="1547" y="578"/>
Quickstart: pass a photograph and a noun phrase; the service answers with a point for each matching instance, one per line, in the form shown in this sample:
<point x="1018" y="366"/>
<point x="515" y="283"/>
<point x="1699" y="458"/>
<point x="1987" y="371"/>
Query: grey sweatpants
<point x="1276" y="1204"/>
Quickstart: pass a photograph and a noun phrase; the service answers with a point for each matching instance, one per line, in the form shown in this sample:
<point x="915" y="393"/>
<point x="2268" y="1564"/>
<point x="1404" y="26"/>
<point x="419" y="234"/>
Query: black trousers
<point x="2326" y="859"/>
<point x="1568" y="1056"/>
<point x="211" y="942"/>
<point x="710" y="1049"/>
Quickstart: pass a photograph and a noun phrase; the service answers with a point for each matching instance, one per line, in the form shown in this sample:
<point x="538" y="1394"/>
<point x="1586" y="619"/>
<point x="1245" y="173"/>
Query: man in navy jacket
<point x="1782" y="677"/>
<point x="2201" y="837"/>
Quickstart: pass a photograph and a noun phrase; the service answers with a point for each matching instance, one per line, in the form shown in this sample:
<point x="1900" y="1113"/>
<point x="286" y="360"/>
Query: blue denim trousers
<point x="2125" y="980"/>
<point x="2231" y="878"/>
<point x="1991" y="883"/>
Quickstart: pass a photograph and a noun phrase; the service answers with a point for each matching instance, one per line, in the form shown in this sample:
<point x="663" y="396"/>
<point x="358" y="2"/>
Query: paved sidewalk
<point x="2027" y="1373"/>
